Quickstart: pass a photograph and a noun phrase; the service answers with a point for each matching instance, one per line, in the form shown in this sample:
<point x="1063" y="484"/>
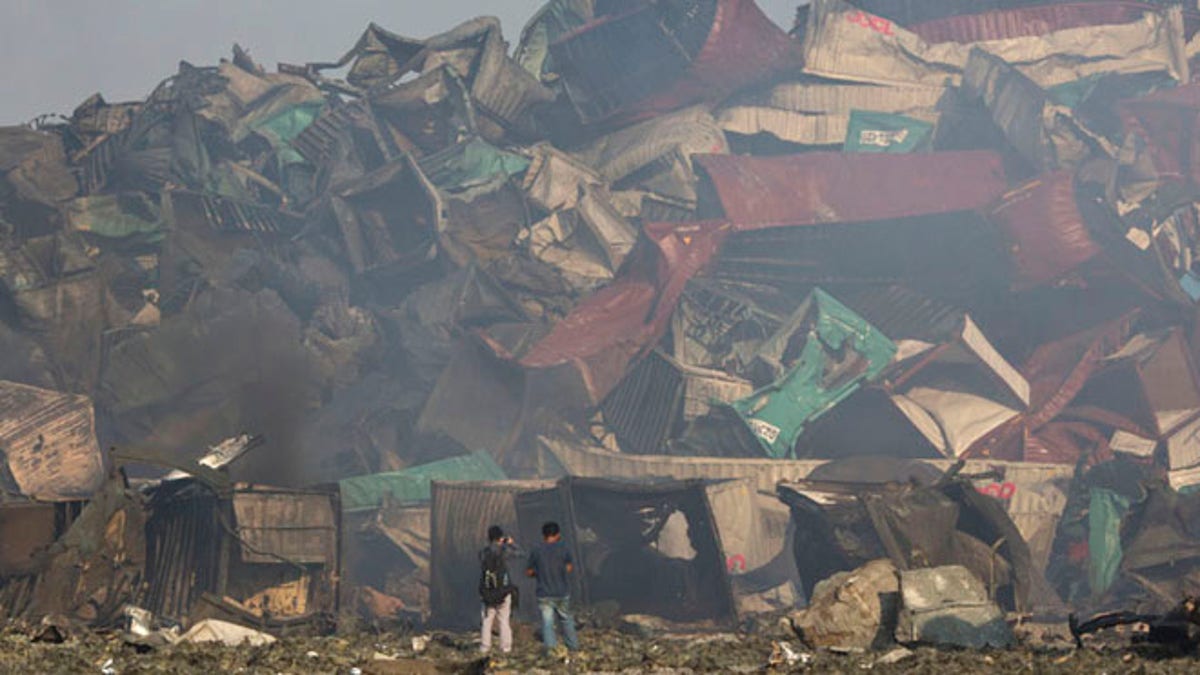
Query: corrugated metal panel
<point x="1046" y="233"/>
<point x="501" y="89"/>
<point x="965" y="260"/>
<point x="49" y="441"/>
<point x="1166" y="121"/>
<point x="282" y="527"/>
<point x="585" y="461"/>
<point x="829" y="187"/>
<point x="597" y="340"/>
<point x="460" y="516"/>
<point x="1007" y="24"/>
<point x="904" y="314"/>
<point x="645" y="408"/>
<point x="232" y="215"/>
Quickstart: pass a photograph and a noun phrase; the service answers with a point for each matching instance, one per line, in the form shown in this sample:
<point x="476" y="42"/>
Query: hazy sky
<point x="58" y="52"/>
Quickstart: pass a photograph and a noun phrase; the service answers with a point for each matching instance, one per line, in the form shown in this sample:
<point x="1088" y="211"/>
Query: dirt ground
<point x="603" y="652"/>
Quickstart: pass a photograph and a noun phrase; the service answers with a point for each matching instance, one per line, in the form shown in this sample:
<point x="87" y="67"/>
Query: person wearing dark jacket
<point x="496" y="590"/>
<point x="551" y="564"/>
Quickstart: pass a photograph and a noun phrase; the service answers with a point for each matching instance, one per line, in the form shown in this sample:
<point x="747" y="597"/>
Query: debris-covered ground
<point x="610" y="652"/>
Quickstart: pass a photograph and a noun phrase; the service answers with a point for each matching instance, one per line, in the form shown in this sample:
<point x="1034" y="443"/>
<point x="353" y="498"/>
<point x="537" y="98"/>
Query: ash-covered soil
<point x="603" y="652"/>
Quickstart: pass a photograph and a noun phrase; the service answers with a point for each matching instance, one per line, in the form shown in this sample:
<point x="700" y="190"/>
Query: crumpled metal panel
<point x="1046" y="232"/>
<point x="680" y="58"/>
<point x="596" y="341"/>
<point x="831" y="187"/>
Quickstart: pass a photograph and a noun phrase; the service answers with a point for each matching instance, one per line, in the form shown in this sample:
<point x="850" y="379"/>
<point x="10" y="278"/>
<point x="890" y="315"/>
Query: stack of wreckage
<point x="742" y="308"/>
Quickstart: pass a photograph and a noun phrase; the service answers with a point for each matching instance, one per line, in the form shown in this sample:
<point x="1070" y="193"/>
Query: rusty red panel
<point x="604" y="333"/>
<point x="1008" y="24"/>
<point x="833" y="187"/>
<point x="1167" y="122"/>
<point x="1046" y="233"/>
<point x="744" y="47"/>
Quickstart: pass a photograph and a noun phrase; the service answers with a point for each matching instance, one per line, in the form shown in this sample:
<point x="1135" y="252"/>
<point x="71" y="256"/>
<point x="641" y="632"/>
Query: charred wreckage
<point x="745" y="310"/>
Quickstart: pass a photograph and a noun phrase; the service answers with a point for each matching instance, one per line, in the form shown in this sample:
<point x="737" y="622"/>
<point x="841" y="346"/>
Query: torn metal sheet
<point x="958" y="393"/>
<point x="94" y="570"/>
<point x="821" y="355"/>
<point x="588" y="243"/>
<point x="554" y="178"/>
<point x="471" y="163"/>
<point x="48" y="441"/>
<point x="686" y="53"/>
<point x="379" y="57"/>
<point x="1045" y="134"/>
<point x="505" y="95"/>
<point x="97" y="117"/>
<point x="817" y="112"/>
<point x="586" y="352"/>
<point x="1163" y="380"/>
<point x="907" y="12"/>
<point x="555" y="19"/>
<point x="432" y="111"/>
<point x="719" y="327"/>
<point x="824" y="187"/>
<point x="656" y="155"/>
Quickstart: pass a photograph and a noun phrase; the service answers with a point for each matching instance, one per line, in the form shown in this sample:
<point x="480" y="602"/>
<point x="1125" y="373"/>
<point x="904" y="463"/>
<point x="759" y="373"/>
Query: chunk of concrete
<point x="852" y="610"/>
<point x="949" y="606"/>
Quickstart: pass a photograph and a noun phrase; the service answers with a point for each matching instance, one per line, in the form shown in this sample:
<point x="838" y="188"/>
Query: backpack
<point x="494" y="584"/>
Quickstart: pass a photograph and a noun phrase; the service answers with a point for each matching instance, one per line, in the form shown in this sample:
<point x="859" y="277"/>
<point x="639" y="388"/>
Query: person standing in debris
<point x="496" y="590"/>
<point x="551" y="564"/>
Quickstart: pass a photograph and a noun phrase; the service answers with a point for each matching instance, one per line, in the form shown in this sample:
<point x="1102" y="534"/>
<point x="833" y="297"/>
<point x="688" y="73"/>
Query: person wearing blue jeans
<point x="551" y="565"/>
